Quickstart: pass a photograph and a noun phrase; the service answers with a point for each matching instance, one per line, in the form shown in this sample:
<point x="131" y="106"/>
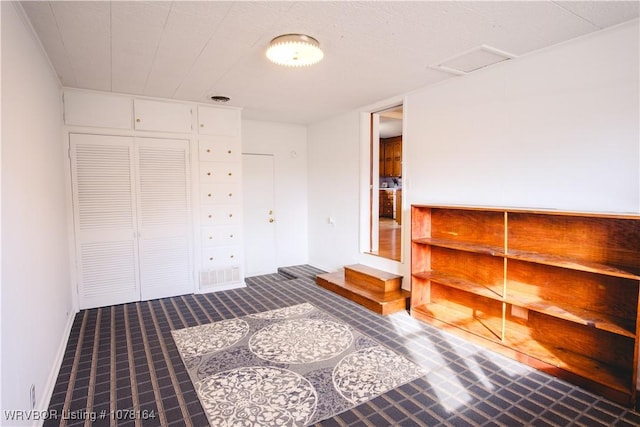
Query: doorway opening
<point x="386" y="183"/>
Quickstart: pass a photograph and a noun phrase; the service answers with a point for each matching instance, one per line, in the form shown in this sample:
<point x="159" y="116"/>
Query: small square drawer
<point x="219" y="236"/>
<point x="220" y="215"/>
<point x="220" y="149"/>
<point x="219" y="172"/>
<point x="220" y="257"/>
<point x="215" y="193"/>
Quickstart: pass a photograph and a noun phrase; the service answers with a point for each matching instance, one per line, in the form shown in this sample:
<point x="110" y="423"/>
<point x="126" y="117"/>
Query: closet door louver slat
<point x="101" y="282"/>
<point x="104" y="186"/>
<point x="165" y="267"/>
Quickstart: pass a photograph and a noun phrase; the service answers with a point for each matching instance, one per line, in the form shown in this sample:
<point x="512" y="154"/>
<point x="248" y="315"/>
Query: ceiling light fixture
<point x="294" y="50"/>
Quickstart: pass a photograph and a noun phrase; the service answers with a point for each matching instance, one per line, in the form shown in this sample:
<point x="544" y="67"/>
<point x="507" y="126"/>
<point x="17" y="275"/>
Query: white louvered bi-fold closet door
<point x="102" y="169"/>
<point x="164" y="217"/>
<point x="132" y="218"/>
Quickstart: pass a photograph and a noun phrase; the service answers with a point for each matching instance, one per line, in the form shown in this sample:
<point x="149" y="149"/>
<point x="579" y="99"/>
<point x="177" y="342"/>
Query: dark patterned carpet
<point x="122" y="367"/>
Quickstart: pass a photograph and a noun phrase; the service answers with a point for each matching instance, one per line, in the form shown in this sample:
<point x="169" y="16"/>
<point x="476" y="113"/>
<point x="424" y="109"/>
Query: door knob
<point x="271" y="219"/>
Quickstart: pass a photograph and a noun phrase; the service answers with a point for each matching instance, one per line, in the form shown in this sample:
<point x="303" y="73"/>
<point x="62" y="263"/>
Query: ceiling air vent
<point x="473" y="59"/>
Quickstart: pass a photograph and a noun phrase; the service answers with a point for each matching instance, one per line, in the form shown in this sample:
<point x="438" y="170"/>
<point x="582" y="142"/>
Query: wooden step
<point x="383" y="303"/>
<point x="371" y="278"/>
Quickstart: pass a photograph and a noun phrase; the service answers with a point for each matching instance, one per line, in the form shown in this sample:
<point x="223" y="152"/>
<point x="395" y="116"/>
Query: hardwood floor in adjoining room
<point x="122" y="360"/>
<point x="389" y="239"/>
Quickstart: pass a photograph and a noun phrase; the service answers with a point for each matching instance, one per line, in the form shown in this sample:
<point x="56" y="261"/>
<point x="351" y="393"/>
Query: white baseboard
<point x="47" y="392"/>
<point x="323" y="268"/>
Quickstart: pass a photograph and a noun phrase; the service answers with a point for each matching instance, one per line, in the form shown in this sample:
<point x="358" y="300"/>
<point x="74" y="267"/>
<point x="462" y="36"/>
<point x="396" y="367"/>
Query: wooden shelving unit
<point x="556" y="290"/>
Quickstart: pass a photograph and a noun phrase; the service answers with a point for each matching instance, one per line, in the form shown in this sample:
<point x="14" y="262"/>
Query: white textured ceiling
<point x="373" y="50"/>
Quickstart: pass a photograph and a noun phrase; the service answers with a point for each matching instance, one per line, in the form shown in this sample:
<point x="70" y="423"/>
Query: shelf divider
<point x="462" y="246"/>
<point x="574" y="264"/>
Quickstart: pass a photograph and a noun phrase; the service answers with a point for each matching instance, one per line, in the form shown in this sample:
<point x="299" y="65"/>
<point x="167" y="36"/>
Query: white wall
<point x="288" y="144"/>
<point x="555" y="129"/>
<point x="36" y="300"/>
<point x="334" y="190"/>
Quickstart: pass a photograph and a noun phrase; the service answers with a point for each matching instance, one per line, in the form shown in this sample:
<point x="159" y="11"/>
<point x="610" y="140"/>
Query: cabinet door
<point x="388" y="159"/>
<point x="386" y="203"/>
<point x="102" y="171"/>
<point x="396" y="153"/>
<point x="381" y="170"/>
<point x="162" y="116"/>
<point x="164" y="217"/>
<point x="218" y="121"/>
<point x="97" y="110"/>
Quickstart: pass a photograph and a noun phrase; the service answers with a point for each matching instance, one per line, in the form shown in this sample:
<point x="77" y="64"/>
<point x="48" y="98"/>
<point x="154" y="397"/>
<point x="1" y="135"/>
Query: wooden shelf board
<point x="574" y="314"/>
<point x="518" y="337"/>
<point x="480" y="324"/>
<point x="462" y="246"/>
<point x="567" y="312"/>
<point x="570" y="263"/>
<point x="535" y="257"/>
<point x="493" y="292"/>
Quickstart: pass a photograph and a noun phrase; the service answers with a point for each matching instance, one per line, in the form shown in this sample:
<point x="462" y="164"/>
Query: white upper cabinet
<point x="97" y="110"/>
<point x="162" y="116"/>
<point x="106" y="110"/>
<point x="218" y="121"/>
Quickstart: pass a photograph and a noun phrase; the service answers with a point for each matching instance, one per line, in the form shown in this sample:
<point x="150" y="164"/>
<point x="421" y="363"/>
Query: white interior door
<point x="164" y="217"/>
<point x="259" y="214"/>
<point x="102" y="170"/>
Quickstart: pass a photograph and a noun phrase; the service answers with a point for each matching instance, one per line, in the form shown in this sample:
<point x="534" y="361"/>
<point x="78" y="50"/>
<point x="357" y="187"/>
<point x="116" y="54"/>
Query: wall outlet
<point x="32" y="396"/>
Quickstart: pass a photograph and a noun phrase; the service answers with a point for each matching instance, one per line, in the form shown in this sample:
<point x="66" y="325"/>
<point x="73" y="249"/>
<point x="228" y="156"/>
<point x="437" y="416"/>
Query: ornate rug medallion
<point x="367" y="373"/>
<point x="293" y="366"/>
<point x="301" y="341"/>
<point x="258" y="396"/>
<point x="210" y="337"/>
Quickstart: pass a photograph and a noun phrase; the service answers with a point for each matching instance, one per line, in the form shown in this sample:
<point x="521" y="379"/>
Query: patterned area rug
<point x="293" y="366"/>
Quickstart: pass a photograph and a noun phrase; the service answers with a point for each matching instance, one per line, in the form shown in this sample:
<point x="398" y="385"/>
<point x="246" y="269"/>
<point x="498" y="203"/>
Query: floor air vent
<point x="213" y="278"/>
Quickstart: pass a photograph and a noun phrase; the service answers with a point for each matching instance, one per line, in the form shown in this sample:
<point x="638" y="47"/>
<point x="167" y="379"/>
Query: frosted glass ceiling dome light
<point x="294" y="50"/>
